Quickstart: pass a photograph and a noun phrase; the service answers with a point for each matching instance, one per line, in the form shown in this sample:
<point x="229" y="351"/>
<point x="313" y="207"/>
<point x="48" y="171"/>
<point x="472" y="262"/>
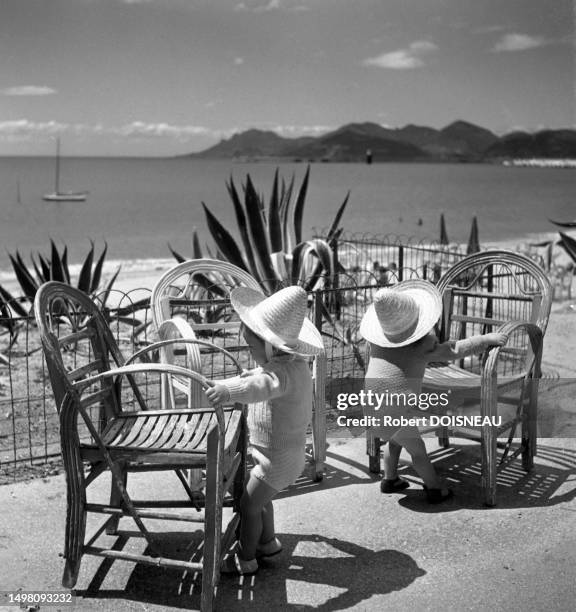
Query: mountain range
<point x="356" y="142"/>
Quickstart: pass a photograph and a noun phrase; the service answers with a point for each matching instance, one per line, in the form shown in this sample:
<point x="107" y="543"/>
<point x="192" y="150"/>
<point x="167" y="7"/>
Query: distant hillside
<point x="460" y="141"/>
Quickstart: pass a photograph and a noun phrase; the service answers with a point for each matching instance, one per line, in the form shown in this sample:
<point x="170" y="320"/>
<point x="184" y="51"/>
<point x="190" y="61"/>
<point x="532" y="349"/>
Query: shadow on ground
<point x="312" y="573"/>
<point x="551" y="482"/>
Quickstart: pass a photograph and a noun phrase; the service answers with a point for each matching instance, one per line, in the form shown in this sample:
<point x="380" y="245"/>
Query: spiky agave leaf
<point x="243" y="228"/>
<point x="106" y="294"/>
<point x="196" y="248"/>
<point x="338" y="216"/>
<point x="256" y="224"/>
<point x="97" y="275"/>
<point x="56" y="267"/>
<point x="65" y="267"/>
<point x="12" y="302"/>
<point x="85" y="275"/>
<point x="224" y="240"/>
<point x="179" y="258"/>
<point x="45" y="267"/>
<point x="318" y="250"/>
<point x="274" y="224"/>
<point x="299" y="207"/>
<point x="27" y="282"/>
<point x="285" y="206"/>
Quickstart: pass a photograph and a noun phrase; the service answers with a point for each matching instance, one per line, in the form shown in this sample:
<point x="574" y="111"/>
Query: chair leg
<point x="373" y="445"/>
<point x="489" y="457"/>
<point x="116" y="502"/>
<point x="443" y="437"/>
<point x="213" y="521"/>
<point x="529" y="427"/>
<point x="75" y="523"/>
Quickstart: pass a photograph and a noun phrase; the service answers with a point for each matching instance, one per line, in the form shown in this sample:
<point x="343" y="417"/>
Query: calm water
<point x="140" y="205"/>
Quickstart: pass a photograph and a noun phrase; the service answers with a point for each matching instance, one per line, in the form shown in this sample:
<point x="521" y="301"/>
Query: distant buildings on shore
<point x="541" y="163"/>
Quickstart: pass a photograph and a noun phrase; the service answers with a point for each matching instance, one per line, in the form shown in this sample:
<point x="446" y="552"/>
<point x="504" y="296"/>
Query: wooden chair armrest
<point x="163" y="343"/>
<point x="535" y="337"/>
<point x="150" y="368"/>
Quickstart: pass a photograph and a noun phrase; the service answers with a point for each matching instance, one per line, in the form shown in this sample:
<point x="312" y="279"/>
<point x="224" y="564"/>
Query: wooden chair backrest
<point x="487" y="289"/>
<point x="198" y="291"/>
<point x="77" y="343"/>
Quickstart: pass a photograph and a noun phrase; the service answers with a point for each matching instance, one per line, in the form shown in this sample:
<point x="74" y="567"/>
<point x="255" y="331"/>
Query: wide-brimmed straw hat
<point x="279" y="319"/>
<point x="402" y="314"/>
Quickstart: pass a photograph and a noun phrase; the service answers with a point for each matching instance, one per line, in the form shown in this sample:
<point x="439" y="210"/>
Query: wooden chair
<point x="198" y="290"/>
<point x="489" y="291"/>
<point x="108" y="422"/>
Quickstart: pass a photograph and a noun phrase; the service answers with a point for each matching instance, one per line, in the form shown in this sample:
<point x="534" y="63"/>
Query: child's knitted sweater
<point x="283" y="386"/>
<point x="401" y="369"/>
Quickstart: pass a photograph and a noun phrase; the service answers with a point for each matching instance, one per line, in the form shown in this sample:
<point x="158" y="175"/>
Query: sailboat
<point x="62" y="196"/>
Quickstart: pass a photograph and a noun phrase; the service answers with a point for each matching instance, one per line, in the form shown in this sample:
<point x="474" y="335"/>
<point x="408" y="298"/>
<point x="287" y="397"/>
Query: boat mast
<point x="57" y="178"/>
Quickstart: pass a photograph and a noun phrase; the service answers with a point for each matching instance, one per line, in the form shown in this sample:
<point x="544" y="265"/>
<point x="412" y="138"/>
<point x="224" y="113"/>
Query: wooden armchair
<point x="109" y="422"/>
<point x="492" y="291"/>
<point x="197" y="291"/>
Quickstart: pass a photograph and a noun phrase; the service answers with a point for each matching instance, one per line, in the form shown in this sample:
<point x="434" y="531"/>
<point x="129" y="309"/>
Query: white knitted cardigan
<point x="281" y="391"/>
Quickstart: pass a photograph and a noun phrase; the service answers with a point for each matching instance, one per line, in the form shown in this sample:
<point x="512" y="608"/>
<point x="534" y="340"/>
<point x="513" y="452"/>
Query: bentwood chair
<point x="489" y="291"/>
<point x="198" y="291"/>
<point x="109" y="421"/>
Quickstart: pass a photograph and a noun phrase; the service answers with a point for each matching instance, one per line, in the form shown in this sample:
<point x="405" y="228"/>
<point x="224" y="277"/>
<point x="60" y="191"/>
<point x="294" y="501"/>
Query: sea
<point x="139" y="206"/>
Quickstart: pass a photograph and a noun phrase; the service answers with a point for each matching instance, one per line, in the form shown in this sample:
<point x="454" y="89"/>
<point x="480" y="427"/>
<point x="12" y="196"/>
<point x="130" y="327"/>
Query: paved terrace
<point x="346" y="546"/>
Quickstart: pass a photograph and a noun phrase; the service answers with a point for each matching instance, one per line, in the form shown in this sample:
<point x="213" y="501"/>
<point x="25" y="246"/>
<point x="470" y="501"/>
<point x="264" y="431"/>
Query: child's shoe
<point x="269" y="549"/>
<point x="393" y="485"/>
<point x="437" y="496"/>
<point x="233" y="564"/>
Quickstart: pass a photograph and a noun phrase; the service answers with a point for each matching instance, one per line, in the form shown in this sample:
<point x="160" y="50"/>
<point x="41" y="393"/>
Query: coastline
<point x="138" y="273"/>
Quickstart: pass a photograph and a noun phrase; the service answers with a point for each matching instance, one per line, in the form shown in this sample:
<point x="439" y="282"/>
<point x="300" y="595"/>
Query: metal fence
<point x="29" y="425"/>
<point x="378" y="259"/>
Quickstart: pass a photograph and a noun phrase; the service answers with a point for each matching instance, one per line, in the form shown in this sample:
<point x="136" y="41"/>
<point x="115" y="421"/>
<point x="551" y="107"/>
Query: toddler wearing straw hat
<point x="279" y="336"/>
<point x="399" y="326"/>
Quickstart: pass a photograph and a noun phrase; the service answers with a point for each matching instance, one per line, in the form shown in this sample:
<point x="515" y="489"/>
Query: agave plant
<point x="55" y="267"/>
<point x="272" y="249"/>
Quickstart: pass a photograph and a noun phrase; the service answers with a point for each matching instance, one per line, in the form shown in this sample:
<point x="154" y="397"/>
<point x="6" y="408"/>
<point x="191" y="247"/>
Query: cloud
<point x="270" y="5"/>
<point x="24" y="129"/>
<point x="403" y="59"/>
<point x="293" y="131"/>
<point x="28" y="90"/>
<point x="518" y="42"/>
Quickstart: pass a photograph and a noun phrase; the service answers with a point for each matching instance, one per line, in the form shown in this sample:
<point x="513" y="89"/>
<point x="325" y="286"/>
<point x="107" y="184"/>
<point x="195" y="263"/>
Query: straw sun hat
<point x="402" y="314"/>
<point x="279" y="319"/>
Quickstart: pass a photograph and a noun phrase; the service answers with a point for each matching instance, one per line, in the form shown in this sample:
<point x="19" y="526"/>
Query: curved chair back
<point x="487" y="289"/>
<point x="76" y="339"/>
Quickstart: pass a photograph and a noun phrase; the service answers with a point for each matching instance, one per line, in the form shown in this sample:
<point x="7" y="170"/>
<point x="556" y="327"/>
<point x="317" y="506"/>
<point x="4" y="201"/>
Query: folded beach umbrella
<point x="569" y="245"/>
<point x="473" y="240"/>
<point x="443" y="234"/>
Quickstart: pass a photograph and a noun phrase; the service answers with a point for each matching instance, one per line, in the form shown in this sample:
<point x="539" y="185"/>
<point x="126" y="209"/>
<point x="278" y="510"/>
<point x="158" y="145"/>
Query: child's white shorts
<point x="278" y="468"/>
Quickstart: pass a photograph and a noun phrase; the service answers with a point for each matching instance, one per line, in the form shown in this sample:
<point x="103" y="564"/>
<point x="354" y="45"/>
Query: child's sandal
<point x="269" y="549"/>
<point x="393" y="485"/>
<point x="233" y="564"/>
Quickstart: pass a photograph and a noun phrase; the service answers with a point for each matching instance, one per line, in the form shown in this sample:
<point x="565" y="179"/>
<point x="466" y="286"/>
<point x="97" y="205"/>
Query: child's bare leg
<point x="412" y="441"/>
<point x="268" y="531"/>
<point x="391" y="456"/>
<point x="256" y="520"/>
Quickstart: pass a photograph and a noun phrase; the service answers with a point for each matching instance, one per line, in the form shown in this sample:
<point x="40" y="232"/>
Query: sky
<point x="168" y="77"/>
